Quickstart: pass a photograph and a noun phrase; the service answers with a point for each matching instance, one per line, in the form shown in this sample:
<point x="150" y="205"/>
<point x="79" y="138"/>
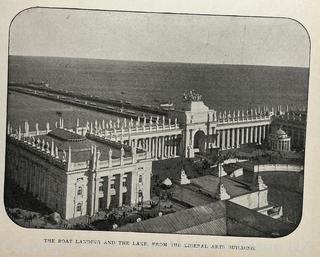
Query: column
<point x="96" y="190"/>
<point x="251" y="134"/>
<point x="263" y="132"/>
<point x="255" y="130"/>
<point x="29" y="174"/>
<point x="149" y="145"/>
<point x="36" y="182"/>
<point x="46" y="187"/>
<point x="109" y="191"/>
<point x="223" y="145"/>
<point x="40" y="185"/>
<point x="218" y="139"/>
<point x="144" y="144"/>
<point x="174" y="146"/>
<point x="238" y="138"/>
<point x="153" y="145"/>
<point x="228" y="138"/>
<point x="162" y="147"/>
<point x="156" y="143"/>
<point x="167" y="146"/>
<point x="260" y="136"/>
<point x="120" y="189"/>
<point x="190" y="137"/>
<point x="31" y="179"/>
<point x="242" y="135"/>
<point x="232" y="137"/>
<point x="158" y="147"/>
<point x="133" y="187"/>
<point x="247" y="135"/>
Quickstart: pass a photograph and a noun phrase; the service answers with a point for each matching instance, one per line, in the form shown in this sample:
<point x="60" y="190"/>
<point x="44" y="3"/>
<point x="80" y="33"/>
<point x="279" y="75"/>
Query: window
<point x="79" y="206"/>
<point x="100" y="188"/>
<point x="140" y="197"/>
<point x="140" y="178"/>
<point x="79" y="192"/>
<point x="124" y="182"/>
<point x="112" y="186"/>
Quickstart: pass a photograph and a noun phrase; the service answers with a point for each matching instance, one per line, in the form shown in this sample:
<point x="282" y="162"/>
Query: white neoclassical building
<point x="77" y="175"/>
<point x="279" y="140"/>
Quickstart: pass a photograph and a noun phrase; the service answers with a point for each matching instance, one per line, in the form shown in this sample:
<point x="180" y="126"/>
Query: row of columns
<point x="159" y="147"/>
<point x="114" y="191"/>
<point x="35" y="179"/>
<point x="234" y="137"/>
<point x="281" y="145"/>
<point x="112" y="186"/>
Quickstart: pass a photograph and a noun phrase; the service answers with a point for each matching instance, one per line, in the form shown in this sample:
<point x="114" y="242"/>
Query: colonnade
<point x="281" y="145"/>
<point x="160" y="147"/>
<point x="234" y="137"/>
<point x="35" y="178"/>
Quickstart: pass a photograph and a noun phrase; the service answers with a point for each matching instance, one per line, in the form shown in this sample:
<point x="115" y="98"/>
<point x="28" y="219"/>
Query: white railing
<point x="231" y="120"/>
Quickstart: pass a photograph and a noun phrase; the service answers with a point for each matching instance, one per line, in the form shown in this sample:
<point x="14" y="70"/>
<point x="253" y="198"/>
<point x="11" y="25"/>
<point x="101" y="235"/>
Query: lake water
<point x="223" y="87"/>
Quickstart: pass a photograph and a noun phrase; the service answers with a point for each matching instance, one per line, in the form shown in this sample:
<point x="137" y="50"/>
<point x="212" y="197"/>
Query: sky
<point x="159" y="37"/>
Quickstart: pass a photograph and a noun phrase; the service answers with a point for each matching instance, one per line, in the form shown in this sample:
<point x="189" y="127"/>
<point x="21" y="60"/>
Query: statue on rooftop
<point x="183" y="178"/>
<point x="64" y="156"/>
<point x="222" y="192"/>
<point x="191" y="96"/>
<point x="261" y="184"/>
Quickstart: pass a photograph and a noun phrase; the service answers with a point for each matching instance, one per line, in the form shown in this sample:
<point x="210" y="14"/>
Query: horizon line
<point x="146" y="61"/>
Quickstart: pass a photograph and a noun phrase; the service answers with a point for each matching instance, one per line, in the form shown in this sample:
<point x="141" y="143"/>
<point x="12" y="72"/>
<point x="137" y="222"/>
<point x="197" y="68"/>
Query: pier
<point x="110" y="106"/>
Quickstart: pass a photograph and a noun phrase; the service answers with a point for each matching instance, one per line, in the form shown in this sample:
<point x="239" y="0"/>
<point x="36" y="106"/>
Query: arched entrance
<point x="199" y="141"/>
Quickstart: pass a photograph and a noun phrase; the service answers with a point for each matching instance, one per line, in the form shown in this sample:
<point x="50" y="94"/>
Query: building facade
<point x="78" y="175"/>
<point x="107" y="164"/>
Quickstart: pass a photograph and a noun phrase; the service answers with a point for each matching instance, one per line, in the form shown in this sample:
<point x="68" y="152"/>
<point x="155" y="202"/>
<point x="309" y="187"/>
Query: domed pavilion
<point x="279" y="141"/>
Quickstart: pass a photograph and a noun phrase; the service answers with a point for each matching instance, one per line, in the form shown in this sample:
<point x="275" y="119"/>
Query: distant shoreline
<point x="153" y="62"/>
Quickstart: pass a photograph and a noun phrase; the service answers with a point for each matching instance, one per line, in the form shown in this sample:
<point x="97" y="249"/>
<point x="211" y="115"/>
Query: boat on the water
<point x="166" y="106"/>
<point x="41" y="84"/>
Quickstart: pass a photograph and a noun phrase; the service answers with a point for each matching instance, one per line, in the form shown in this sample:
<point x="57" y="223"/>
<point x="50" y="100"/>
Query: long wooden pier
<point x="110" y="106"/>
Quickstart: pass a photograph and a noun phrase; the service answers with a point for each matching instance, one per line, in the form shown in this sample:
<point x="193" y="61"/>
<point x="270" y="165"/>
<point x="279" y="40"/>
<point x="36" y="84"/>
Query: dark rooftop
<point x="210" y="183"/>
<point x="80" y="146"/>
<point x="203" y="190"/>
<point x="66" y="135"/>
<point x="218" y="218"/>
<point x="178" y="222"/>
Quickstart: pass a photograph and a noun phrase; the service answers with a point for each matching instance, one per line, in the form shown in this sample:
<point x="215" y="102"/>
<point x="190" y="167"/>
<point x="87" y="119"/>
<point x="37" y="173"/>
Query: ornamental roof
<point x="280" y="132"/>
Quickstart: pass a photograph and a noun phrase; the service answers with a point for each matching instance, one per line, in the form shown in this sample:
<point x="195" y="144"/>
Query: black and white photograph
<point x="156" y="122"/>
